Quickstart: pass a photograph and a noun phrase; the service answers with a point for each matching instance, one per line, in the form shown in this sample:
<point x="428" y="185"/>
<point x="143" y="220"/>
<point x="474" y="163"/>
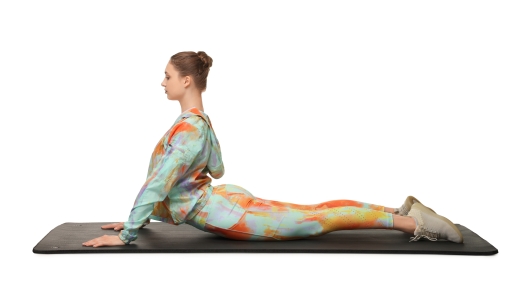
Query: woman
<point x="178" y="190"/>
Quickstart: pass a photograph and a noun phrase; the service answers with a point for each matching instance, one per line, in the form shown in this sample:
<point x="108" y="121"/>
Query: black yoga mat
<point x="159" y="237"/>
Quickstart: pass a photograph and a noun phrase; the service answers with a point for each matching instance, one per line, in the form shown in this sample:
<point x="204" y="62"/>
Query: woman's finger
<point x="105" y="240"/>
<point x="99" y="242"/>
<point x="92" y="241"/>
<point x="88" y="243"/>
<point x="112" y="225"/>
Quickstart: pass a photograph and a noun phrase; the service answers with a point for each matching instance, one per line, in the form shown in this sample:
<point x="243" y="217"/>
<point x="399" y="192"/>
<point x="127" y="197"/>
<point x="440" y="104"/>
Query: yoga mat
<point x="160" y="237"/>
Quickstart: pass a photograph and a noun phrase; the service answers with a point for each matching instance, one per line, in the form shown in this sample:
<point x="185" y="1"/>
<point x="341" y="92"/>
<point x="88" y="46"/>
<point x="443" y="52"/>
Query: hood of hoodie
<point x="214" y="163"/>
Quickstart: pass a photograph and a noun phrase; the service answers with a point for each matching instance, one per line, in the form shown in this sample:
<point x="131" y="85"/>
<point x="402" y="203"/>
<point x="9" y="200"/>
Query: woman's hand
<point x="105" y="240"/>
<point x="120" y="225"/>
<point x="116" y="226"/>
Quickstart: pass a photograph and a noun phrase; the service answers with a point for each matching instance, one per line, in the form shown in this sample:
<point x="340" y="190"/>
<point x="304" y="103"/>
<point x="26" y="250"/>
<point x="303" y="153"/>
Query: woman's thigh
<point x="233" y="212"/>
<point x="224" y="207"/>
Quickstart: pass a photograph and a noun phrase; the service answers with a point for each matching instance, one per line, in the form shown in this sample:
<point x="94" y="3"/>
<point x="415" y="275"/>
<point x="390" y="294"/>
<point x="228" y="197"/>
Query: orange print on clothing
<point x="159" y="150"/>
<point x="183" y="212"/>
<point x="269" y="232"/>
<point x="181" y="127"/>
<point x="227" y="233"/>
<point x="241" y="226"/>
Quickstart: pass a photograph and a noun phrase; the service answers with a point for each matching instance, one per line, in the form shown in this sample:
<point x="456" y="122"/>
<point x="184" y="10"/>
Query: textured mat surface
<point x="159" y="237"/>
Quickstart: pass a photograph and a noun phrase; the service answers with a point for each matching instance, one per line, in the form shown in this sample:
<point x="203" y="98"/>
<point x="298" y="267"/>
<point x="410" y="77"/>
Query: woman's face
<point x="173" y="84"/>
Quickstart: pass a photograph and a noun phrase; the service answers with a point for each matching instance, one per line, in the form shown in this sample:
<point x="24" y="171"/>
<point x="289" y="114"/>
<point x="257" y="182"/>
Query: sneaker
<point x="406" y="207"/>
<point x="433" y="226"/>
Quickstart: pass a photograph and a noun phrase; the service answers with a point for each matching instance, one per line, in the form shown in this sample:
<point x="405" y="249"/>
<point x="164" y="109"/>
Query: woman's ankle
<point x="389" y="210"/>
<point x="405" y="224"/>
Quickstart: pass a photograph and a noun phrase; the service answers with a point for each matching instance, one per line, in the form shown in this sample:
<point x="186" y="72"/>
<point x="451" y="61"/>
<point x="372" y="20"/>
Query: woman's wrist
<point x="121" y="237"/>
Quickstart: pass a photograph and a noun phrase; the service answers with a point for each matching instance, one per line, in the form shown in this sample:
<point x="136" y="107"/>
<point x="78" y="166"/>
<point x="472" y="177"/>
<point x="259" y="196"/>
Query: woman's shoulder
<point x="196" y="121"/>
<point x="192" y="125"/>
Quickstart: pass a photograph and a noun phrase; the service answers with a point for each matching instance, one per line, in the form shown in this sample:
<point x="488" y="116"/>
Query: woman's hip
<point x="225" y="205"/>
<point x="233" y="208"/>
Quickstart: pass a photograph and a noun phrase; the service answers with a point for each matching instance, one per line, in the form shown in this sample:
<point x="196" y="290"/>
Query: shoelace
<point x="402" y="210"/>
<point x="423" y="232"/>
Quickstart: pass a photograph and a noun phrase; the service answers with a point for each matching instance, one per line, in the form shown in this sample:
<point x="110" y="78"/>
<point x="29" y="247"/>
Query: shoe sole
<point x="424" y="209"/>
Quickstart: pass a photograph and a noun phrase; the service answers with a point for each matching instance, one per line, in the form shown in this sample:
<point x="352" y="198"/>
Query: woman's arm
<point x="187" y="140"/>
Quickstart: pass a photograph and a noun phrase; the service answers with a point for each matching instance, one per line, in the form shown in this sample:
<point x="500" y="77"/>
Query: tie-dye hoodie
<point x="177" y="184"/>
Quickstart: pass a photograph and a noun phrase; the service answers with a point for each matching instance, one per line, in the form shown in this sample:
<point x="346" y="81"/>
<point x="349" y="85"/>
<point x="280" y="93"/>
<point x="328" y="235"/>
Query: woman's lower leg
<point x="320" y="222"/>
<point x="404" y="223"/>
<point x="327" y="204"/>
<point x="310" y="223"/>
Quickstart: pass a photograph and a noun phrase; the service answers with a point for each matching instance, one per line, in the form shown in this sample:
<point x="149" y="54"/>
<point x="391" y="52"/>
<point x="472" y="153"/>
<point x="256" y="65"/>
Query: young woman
<point x="178" y="190"/>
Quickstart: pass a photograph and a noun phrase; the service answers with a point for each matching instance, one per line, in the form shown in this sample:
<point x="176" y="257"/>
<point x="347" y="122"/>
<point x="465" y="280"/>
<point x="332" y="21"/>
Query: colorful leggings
<point x="233" y="212"/>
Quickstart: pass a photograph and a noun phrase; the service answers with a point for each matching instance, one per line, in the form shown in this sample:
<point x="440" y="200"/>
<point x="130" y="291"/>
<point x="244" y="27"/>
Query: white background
<point x="311" y="101"/>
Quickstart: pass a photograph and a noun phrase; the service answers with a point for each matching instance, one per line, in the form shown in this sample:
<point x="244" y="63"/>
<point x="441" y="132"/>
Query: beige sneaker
<point x="406" y="207"/>
<point x="433" y="226"/>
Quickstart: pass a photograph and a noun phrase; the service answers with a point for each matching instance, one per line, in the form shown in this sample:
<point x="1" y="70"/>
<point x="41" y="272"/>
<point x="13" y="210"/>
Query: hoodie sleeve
<point x="215" y="163"/>
<point x="186" y="140"/>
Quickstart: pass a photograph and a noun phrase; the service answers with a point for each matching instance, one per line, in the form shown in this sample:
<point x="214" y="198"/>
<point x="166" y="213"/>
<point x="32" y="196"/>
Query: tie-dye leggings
<point x="233" y="212"/>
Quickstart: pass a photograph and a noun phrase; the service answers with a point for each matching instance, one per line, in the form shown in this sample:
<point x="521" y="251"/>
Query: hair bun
<point x="208" y="61"/>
